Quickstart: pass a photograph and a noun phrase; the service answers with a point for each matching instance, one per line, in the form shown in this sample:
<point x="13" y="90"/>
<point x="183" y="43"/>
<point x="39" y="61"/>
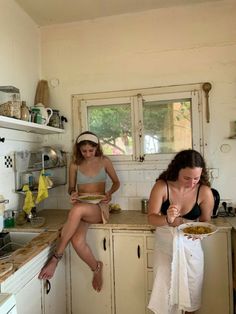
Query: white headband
<point x="87" y="137"/>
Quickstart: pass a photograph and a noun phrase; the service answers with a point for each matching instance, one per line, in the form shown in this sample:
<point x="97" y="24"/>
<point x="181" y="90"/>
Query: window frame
<point x="80" y="102"/>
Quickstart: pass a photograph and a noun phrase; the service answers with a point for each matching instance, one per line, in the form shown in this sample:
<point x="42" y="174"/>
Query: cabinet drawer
<point x="149" y="280"/>
<point x="149" y="259"/>
<point x="150" y="242"/>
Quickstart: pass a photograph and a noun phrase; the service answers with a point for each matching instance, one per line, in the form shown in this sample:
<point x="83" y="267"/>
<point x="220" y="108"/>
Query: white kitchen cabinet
<point x="84" y="299"/>
<point x="129" y="273"/>
<point x="217" y="295"/>
<point x="29" y="298"/>
<point x="31" y="293"/>
<point x="54" y="291"/>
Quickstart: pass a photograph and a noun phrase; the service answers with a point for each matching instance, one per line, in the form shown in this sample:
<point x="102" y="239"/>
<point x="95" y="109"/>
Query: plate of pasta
<point x="92" y="199"/>
<point x="198" y="229"/>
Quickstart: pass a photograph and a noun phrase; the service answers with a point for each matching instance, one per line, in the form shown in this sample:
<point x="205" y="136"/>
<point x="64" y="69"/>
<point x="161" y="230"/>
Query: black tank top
<point x="194" y="213"/>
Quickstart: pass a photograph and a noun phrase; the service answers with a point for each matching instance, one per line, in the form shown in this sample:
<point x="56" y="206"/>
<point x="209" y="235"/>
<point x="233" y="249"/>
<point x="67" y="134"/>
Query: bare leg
<point x="84" y="252"/>
<point x="88" y="212"/>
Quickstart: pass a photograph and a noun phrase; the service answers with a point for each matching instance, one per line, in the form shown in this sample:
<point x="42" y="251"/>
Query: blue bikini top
<point x="83" y="179"/>
<point x="193" y="214"/>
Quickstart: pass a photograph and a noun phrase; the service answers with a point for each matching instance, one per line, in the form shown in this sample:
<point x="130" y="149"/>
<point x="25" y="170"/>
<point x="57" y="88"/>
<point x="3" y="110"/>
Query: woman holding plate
<point x="88" y="172"/>
<point x="181" y="194"/>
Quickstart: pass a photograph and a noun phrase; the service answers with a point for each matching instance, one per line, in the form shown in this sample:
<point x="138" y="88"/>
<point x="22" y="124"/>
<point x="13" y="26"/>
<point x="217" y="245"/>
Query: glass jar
<point x="36" y="116"/>
<point x="55" y="119"/>
<point x="24" y="112"/>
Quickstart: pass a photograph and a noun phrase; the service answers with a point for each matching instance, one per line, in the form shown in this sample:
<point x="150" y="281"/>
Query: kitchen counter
<point x="56" y="218"/>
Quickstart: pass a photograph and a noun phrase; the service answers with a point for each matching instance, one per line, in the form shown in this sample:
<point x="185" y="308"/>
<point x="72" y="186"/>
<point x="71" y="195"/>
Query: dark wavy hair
<point x="77" y="156"/>
<point x="188" y="158"/>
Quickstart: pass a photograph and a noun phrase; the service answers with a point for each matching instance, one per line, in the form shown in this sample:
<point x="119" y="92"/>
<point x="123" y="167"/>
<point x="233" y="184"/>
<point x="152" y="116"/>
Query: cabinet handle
<point x="138" y="251"/>
<point x="104" y="244"/>
<point x="48" y="286"/>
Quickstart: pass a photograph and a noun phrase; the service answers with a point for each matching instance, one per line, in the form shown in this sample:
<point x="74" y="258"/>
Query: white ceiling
<point x="48" y="12"/>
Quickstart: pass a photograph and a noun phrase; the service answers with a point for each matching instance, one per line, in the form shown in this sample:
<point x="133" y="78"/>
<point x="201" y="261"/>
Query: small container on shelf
<point x="25" y="115"/>
<point x="10" y="103"/>
<point x="55" y="120"/>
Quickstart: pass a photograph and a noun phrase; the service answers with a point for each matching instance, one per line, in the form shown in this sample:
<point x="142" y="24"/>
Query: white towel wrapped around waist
<point x="178" y="273"/>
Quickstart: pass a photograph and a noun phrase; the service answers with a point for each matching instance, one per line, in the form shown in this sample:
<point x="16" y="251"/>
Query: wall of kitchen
<point x="168" y="46"/>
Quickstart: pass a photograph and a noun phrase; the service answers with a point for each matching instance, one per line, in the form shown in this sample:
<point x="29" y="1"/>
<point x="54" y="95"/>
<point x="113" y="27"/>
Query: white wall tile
<point x="134" y="203"/>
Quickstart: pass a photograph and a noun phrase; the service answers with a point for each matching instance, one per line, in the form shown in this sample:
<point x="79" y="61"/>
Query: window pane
<point x="167" y="126"/>
<point x="112" y="124"/>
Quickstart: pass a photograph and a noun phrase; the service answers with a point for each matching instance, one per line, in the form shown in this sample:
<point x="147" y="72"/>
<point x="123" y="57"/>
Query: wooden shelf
<point x="20" y="125"/>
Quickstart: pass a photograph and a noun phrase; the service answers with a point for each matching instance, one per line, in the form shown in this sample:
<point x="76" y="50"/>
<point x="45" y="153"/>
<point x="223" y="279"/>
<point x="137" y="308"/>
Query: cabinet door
<point x="29" y="299"/>
<point x="55" y="291"/>
<point x="217" y="289"/>
<point x="85" y="300"/>
<point x="129" y="274"/>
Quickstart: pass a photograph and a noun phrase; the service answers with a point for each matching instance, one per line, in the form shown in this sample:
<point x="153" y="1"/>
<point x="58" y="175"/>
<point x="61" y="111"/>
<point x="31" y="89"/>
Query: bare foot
<point x="48" y="270"/>
<point x="97" y="277"/>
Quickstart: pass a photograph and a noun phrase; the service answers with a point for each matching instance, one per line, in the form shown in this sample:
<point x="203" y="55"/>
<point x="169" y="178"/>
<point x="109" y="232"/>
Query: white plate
<point x="198" y="224"/>
<point x="91" y="199"/>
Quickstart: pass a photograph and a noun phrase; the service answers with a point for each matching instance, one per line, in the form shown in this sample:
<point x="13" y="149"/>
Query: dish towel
<point x="29" y="200"/>
<point x="178" y="273"/>
<point x="104" y="211"/>
<point x="42" y="188"/>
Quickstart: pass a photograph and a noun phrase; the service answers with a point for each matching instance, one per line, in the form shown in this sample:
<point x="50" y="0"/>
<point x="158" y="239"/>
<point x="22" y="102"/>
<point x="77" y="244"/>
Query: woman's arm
<point x="72" y="178"/>
<point x="206" y="203"/>
<point x="156" y="199"/>
<point x="113" y="176"/>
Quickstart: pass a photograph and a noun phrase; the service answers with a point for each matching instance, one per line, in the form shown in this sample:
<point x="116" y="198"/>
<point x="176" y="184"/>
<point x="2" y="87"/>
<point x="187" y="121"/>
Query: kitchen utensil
<point x="50" y="157"/>
<point x="46" y="113"/>
<point x="216" y="196"/>
<point x="207" y="87"/>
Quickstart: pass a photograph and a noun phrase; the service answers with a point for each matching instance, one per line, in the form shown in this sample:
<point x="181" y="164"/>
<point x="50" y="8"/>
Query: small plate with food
<point x="92" y="199"/>
<point x="198" y="229"/>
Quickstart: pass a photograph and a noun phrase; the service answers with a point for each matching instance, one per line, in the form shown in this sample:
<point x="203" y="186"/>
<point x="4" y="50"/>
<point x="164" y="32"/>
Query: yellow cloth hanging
<point x="29" y="200"/>
<point x="42" y="188"/>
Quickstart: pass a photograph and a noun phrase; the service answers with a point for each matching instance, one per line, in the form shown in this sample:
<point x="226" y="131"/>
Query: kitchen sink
<point x="11" y="241"/>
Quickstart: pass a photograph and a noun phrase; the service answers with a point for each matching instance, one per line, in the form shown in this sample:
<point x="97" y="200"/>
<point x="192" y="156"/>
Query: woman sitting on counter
<point x="181" y="194"/>
<point x="87" y="175"/>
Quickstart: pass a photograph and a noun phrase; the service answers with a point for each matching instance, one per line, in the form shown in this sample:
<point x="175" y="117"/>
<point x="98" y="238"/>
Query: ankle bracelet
<point x="57" y="256"/>
<point x="97" y="269"/>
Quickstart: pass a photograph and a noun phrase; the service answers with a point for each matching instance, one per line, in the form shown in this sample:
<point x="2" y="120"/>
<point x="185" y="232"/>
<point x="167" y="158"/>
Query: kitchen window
<point x="142" y="125"/>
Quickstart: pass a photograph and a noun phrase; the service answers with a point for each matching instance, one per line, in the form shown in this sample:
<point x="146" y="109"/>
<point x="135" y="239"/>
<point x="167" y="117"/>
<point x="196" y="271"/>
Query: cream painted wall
<point x="20" y="67"/>
<point x="170" y="46"/>
<point x="19" y="50"/>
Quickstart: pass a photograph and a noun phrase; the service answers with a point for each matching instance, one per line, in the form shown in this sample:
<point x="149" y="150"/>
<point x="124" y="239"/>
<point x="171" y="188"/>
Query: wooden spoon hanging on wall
<point x="207" y="87"/>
